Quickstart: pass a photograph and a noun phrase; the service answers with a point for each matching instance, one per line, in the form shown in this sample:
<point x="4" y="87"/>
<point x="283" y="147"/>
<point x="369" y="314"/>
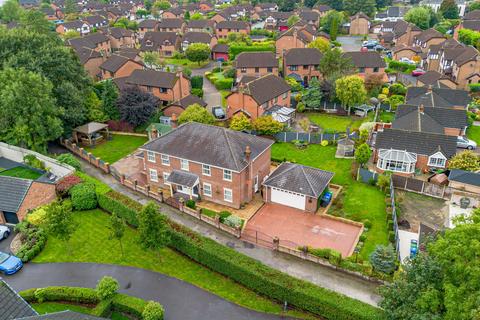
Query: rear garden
<point x="118" y="147"/>
<point x="473" y="132"/>
<point x="21" y="172"/>
<point x="358" y="201"/>
<point x="329" y="122"/>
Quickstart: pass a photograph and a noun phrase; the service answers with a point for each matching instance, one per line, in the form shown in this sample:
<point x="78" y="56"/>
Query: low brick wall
<point x="87" y="156"/>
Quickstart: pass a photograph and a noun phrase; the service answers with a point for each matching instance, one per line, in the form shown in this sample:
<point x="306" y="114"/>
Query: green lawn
<point x="21" y="172"/>
<point x="360" y="201"/>
<point x="117" y="148"/>
<point x="51" y="307"/>
<point x="473" y="132"/>
<point x="90" y="243"/>
<point x="186" y="63"/>
<point x="386" y="117"/>
<point x="338" y="123"/>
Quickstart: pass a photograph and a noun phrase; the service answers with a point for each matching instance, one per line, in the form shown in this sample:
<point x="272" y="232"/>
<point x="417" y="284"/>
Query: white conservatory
<point x="396" y="160"/>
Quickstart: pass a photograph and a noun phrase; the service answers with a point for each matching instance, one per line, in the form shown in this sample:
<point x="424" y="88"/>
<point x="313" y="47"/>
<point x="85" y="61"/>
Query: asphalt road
<point x="181" y="300"/>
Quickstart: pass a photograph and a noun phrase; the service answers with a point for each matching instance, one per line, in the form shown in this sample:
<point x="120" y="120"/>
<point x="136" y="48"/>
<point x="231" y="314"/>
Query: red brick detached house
<point x="214" y="163"/>
<point x="18" y="196"/>
<point x="220" y="52"/>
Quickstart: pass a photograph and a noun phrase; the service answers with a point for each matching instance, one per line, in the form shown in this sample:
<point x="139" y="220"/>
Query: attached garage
<point x="287" y="198"/>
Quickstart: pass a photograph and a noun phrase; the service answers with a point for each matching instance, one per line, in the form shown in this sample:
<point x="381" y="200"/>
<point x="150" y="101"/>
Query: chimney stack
<point x="248" y="153"/>
<point x="173" y="121"/>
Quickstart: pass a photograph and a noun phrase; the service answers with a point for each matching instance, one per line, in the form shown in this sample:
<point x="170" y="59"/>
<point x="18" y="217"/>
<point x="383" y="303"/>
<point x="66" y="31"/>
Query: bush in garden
<point x="397" y="89"/>
<point x="37" y="217"/>
<point x="83" y="196"/>
<point x="122" y="205"/>
<point x="106" y="288"/>
<point x="34" y="162"/>
<point x="191" y="204"/>
<point x="233" y="221"/>
<point x="153" y="311"/>
<point x="224" y="84"/>
<point x="322" y="253"/>
<point x="197" y="92"/>
<point x="383" y="259"/>
<point x="224" y="215"/>
<point x="324" y="143"/>
<point x="64" y="185"/>
<point x="230" y="73"/>
<point x="197" y="82"/>
<point x="367" y="223"/>
<point x="217" y="69"/>
<point x="33" y="239"/>
<point x="70" y="159"/>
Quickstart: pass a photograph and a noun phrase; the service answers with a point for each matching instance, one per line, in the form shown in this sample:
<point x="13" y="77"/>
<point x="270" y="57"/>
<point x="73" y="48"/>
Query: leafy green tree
<point x="198" y="52"/>
<point x="117" y="229"/>
<point x="334" y="64"/>
<point x="152" y="59"/>
<point x="153" y="311"/>
<point x="28" y="115"/>
<point x="34" y="20"/>
<point x="321" y="44"/>
<point x="287" y="5"/>
<point x="362" y="154"/>
<point x="10" y="11"/>
<point x="474" y="6"/>
<point x="197" y="16"/>
<point x="466" y="160"/>
<point x="59" y="222"/>
<point x="186" y="16"/>
<point x="355" y="6"/>
<point x="383" y="3"/>
<point x="266" y="125"/>
<point x="70" y="6"/>
<point x="350" y="90"/>
<point x="94" y="106"/>
<point x="107" y="288"/>
<point x="331" y="22"/>
<point x="312" y="98"/>
<point x="294" y="84"/>
<point x="240" y="122"/>
<point x="449" y="9"/>
<point x="108" y="94"/>
<point x="153" y="228"/>
<point x="419" y="16"/>
<point x="292" y="20"/>
<point x="71" y="34"/>
<point x="383" y="259"/>
<point x="334" y="4"/>
<point x="162" y="5"/>
<point x="70" y="159"/>
<point x="196" y="113"/>
<point x="309" y="3"/>
<point x="383" y="181"/>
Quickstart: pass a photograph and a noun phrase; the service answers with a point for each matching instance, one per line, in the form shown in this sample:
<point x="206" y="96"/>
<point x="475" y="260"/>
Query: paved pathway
<point x="181" y="300"/>
<point x="322" y="276"/>
<point x="210" y="94"/>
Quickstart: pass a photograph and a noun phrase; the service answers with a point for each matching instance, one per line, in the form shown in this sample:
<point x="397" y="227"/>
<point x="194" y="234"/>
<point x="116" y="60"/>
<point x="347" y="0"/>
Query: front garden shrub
<point x="191" y="204"/>
<point x="224" y="215"/>
<point x="106" y="288"/>
<point x="335" y="257"/>
<point x="70" y="159"/>
<point x="64" y="185"/>
<point x="68" y="294"/>
<point x="397" y="89"/>
<point x="197" y="92"/>
<point x="322" y="253"/>
<point x="233" y="221"/>
<point x="100" y="187"/>
<point x="33" y="240"/>
<point x="153" y="311"/>
<point x="383" y="259"/>
<point x="230" y="73"/>
<point x="103" y="309"/>
<point x="217" y="69"/>
<point x="37" y="216"/>
<point x="224" y="84"/>
<point x="208" y="212"/>
<point x="130" y="305"/>
<point x="362" y="237"/>
<point x="367" y="224"/>
<point x="83" y="196"/>
<point x="391" y="236"/>
<point x="197" y="82"/>
<point x="122" y="205"/>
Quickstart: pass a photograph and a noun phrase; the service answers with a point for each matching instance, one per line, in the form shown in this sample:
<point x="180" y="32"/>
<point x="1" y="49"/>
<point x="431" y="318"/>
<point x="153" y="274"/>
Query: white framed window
<point x="206" y="170"/>
<point x="437" y="160"/>
<point x="165" y="177"/>
<point x="227" y="195"/>
<point x="184" y="164"/>
<point x="165" y="160"/>
<point x="150" y="156"/>
<point x="207" y="189"/>
<point x="227" y="175"/>
<point x="153" y="175"/>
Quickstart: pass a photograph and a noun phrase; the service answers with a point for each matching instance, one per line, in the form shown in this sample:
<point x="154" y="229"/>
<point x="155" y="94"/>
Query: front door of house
<point x="255" y="184"/>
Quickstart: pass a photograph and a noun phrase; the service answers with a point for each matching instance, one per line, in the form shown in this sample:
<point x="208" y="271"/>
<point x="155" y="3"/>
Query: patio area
<point x="296" y="228"/>
<point x="245" y="213"/>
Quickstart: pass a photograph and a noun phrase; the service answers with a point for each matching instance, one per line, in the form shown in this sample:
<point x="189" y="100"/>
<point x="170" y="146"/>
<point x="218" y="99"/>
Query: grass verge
<point x="117" y="148"/>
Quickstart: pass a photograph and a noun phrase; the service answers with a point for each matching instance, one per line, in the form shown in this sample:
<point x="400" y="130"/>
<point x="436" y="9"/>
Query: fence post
<point x="406" y="180"/>
<point x="423" y="186"/>
<point x="107" y="167"/>
<point x="297" y="135"/>
<point x="443" y="191"/>
<point x="276" y="243"/>
<point x="135" y="182"/>
<point x="147" y="189"/>
<point x="285" y="137"/>
<point x="217" y="221"/>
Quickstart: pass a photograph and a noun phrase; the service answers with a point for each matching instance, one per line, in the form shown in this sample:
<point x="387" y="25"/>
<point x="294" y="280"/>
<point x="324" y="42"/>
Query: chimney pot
<point x="173" y="120"/>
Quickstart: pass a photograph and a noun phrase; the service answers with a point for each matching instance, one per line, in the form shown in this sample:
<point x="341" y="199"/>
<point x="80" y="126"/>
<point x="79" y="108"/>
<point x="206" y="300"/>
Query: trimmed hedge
<point x="83" y="196"/>
<point x="122" y="205"/>
<point x="197" y="92"/>
<point x="197" y="82"/>
<point x="234" y="50"/>
<point x="127" y="304"/>
<point x="100" y="187"/>
<point x="224" y="84"/>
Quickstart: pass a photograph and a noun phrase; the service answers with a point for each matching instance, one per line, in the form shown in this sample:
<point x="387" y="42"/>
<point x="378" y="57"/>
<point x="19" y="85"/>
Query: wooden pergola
<point x="91" y="133"/>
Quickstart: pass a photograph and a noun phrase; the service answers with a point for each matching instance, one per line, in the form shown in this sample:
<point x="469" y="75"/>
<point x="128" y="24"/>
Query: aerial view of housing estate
<point x="240" y="159"/>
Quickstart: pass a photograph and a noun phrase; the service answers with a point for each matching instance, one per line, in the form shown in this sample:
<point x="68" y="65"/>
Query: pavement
<point x="181" y="300"/>
<point x="322" y="276"/>
<point x="211" y="95"/>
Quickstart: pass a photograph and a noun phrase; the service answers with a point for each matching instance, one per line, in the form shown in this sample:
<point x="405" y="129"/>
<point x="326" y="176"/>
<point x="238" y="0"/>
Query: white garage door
<point x="286" y="198"/>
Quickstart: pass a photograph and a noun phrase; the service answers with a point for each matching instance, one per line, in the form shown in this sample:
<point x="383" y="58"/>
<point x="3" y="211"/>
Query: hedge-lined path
<point x="181" y="300"/>
<point x="325" y="277"/>
<point x="210" y="94"/>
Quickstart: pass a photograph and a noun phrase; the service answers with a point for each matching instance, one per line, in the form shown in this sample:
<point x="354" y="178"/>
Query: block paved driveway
<point x="296" y="228"/>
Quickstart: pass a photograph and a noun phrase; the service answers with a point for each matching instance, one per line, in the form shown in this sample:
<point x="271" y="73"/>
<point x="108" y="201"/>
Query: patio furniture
<point x="91" y="133"/>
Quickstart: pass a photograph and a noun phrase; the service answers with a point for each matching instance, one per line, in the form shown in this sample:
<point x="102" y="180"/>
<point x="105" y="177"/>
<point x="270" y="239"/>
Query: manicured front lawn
<point x="117" y="148"/>
<point x="21" y="172"/>
<point x="51" y="307"/>
<point x="186" y="63"/>
<point x="473" y="132"/>
<point x="90" y="243"/>
<point x="338" y="123"/>
<point x="360" y="201"/>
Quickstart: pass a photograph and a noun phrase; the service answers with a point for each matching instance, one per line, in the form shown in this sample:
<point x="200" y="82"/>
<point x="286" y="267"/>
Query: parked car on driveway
<point x="9" y="264"/>
<point x="464" y="142"/>
<point x="218" y="112"/>
<point x="4" y="232"/>
<point x="418" y="72"/>
<point x="406" y="60"/>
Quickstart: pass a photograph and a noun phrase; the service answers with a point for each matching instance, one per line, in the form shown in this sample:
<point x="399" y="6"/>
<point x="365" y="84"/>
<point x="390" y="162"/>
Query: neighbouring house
<point x="359" y="24"/>
<point x="177" y="107"/>
<point x="322" y="9"/>
<point x="267" y="6"/>
<point x="290" y="39"/>
<point x="198" y="37"/>
<point x="310" y="17"/>
<point x="117" y="66"/>
<point x="435" y="5"/>
<point x="255" y="64"/>
<point x="165" y="43"/>
<point x="220" y="52"/>
<point x="368" y="63"/>
<point x="217" y="164"/>
<point x="437" y="97"/>
<point x="173" y="13"/>
<point x="95" y="41"/>
<point x="470" y="21"/>
<point x="130" y="53"/>
<point x="396" y="33"/>
<point x="427" y="38"/>
<point x="452" y="122"/>
<point x="148" y="25"/>
<point x="257" y="96"/>
<point x="167" y="86"/>
<point x="296" y="186"/>
<point x="465" y="67"/>
<point x="435" y="79"/>
<point x="464" y="180"/>
<point x="403" y="152"/>
<point x="393" y="13"/>
<point x="96" y="21"/>
<point x="119" y="37"/>
<point x="202" y="25"/>
<point x="90" y="59"/>
<point x="223" y="28"/>
<point x="171" y="25"/>
<point x="432" y="59"/>
<point x="275" y="21"/>
<point x="302" y="64"/>
<point x="77" y="25"/>
<point x="404" y="51"/>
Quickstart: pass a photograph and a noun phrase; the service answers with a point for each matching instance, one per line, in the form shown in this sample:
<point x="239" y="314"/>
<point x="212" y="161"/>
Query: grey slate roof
<point x="228" y="24"/>
<point x="466" y="177"/>
<point x="370" y="59"/>
<point x="266" y="88"/>
<point x="85" y="54"/>
<point x="12" y="192"/>
<point x="158" y="39"/>
<point x="182" y="178"/>
<point x="302" y="56"/>
<point x="152" y="78"/>
<point x="437" y="97"/>
<point x="171" y="23"/>
<point x="197" y="37"/>
<point x="220" y="48"/>
<point x="210" y="145"/>
<point x="429" y="119"/>
<point x="256" y="59"/>
<point x="63" y="315"/>
<point x="299" y="179"/>
<point x="417" y="142"/>
<point x="188" y="101"/>
<point x="148" y="23"/>
<point x="432" y="78"/>
<point x="12" y="306"/>
<point x="114" y="62"/>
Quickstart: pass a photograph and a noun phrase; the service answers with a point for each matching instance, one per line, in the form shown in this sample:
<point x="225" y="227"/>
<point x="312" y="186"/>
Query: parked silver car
<point x="464" y="142"/>
<point x="4" y="232"/>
